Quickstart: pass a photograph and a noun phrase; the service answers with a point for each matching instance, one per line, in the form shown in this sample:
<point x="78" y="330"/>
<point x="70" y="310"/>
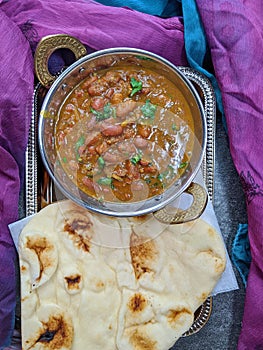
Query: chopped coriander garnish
<point x="101" y="199"/>
<point x="161" y="176"/>
<point x="167" y="174"/>
<point x="136" y="86"/>
<point x="135" y="159"/>
<point x="101" y="162"/>
<point x="144" y="58"/>
<point x="148" y="109"/>
<point x="64" y="159"/>
<point x="79" y="143"/>
<point x="105" y="181"/>
<point x="183" y="165"/>
<point x="175" y="127"/>
<point x="106" y="113"/>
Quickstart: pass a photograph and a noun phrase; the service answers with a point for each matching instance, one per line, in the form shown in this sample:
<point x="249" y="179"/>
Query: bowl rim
<point x="159" y="203"/>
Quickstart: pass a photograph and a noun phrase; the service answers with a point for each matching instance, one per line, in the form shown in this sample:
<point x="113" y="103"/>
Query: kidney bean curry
<point x="124" y="134"/>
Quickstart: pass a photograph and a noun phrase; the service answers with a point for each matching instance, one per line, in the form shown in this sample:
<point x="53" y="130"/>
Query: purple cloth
<point x="235" y="35"/>
<point x="16" y="79"/>
<point x="22" y="24"/>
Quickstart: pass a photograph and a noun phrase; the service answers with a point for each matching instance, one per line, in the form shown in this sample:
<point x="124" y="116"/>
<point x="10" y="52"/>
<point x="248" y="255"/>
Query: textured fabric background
<point x="234" y="31"/>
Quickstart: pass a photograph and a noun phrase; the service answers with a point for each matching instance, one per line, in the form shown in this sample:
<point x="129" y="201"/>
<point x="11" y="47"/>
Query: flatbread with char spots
<point x="115" y="282"/>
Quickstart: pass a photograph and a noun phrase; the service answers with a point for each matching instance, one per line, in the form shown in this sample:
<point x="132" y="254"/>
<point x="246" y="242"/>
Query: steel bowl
<point x="59" y="88"/>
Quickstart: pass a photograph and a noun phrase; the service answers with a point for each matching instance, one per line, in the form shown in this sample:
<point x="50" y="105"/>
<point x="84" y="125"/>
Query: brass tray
<point x="39" y="189"/>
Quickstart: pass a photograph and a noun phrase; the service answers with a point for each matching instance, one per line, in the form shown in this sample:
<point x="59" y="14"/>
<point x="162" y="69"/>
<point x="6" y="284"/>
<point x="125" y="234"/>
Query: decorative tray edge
<point x="208" y="99"/>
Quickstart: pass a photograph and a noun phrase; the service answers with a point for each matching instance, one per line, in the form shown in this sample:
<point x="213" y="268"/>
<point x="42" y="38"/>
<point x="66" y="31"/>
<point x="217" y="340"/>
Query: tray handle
<point x="46" y="47"/>
<point x="171" y="215"/>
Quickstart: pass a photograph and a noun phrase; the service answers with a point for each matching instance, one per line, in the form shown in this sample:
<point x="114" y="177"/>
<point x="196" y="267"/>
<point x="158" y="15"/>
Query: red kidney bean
<point x="112" y="77"/>
<point x="124" y="108"/>
<point x="144" y="162"/>
<point x="98" y="87"/>
<point x="109" y="93"/>
<point x="121" y="172"/>
<point x="92" y="150"/>
<point x="111" y="157"/>
<point x="140" y="142"/>
<point x="91" y="123"/>
<point x="137" y="186"/>
<point x="88" y="182"/>
<point x="126" y="147"/>
<point x="112" y="130"/>
<point x="144" y="131"/>
<point x="92" y="138"/>
<point x="133" y="172"/>
<point x="117" y="98"/>
<point x="89" y="81"/>
<point x="102" y="148"/>
<point x="98" y="103"/>
<point x="150" y="169"/>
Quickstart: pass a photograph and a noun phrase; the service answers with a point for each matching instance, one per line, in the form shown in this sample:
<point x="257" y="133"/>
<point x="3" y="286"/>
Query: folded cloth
<point x="234" y="31"/>
<point x="22" y="24"/>
<point x="163" y="8"/>
<point x="241" y="255"/>
<point x="98" y="26"/>
<point x="16" y="85"/>
<point x="196" y="47"/>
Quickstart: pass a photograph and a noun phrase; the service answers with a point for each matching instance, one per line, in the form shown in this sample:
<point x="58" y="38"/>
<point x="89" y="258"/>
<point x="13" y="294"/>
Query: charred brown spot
<point x="23" y="268"/>
<point x="80" y="241"/>
<point x="141" y="342"/>
<point x="137" y="302"/>
<point x="73" y="282"/>
<point x="143" y="253"/>
<point x="211" y="232"/>
<point x="100" y="285"/>
<point x="56" y="333"/>
<point x="174" y="315"/>
<point x="218" y="261"/>
<point x="79" y="224"/>
<point x="42" y="247"/>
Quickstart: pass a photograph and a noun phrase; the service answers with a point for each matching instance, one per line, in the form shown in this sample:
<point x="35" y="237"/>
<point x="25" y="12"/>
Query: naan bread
<point x="113" y="283"/>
